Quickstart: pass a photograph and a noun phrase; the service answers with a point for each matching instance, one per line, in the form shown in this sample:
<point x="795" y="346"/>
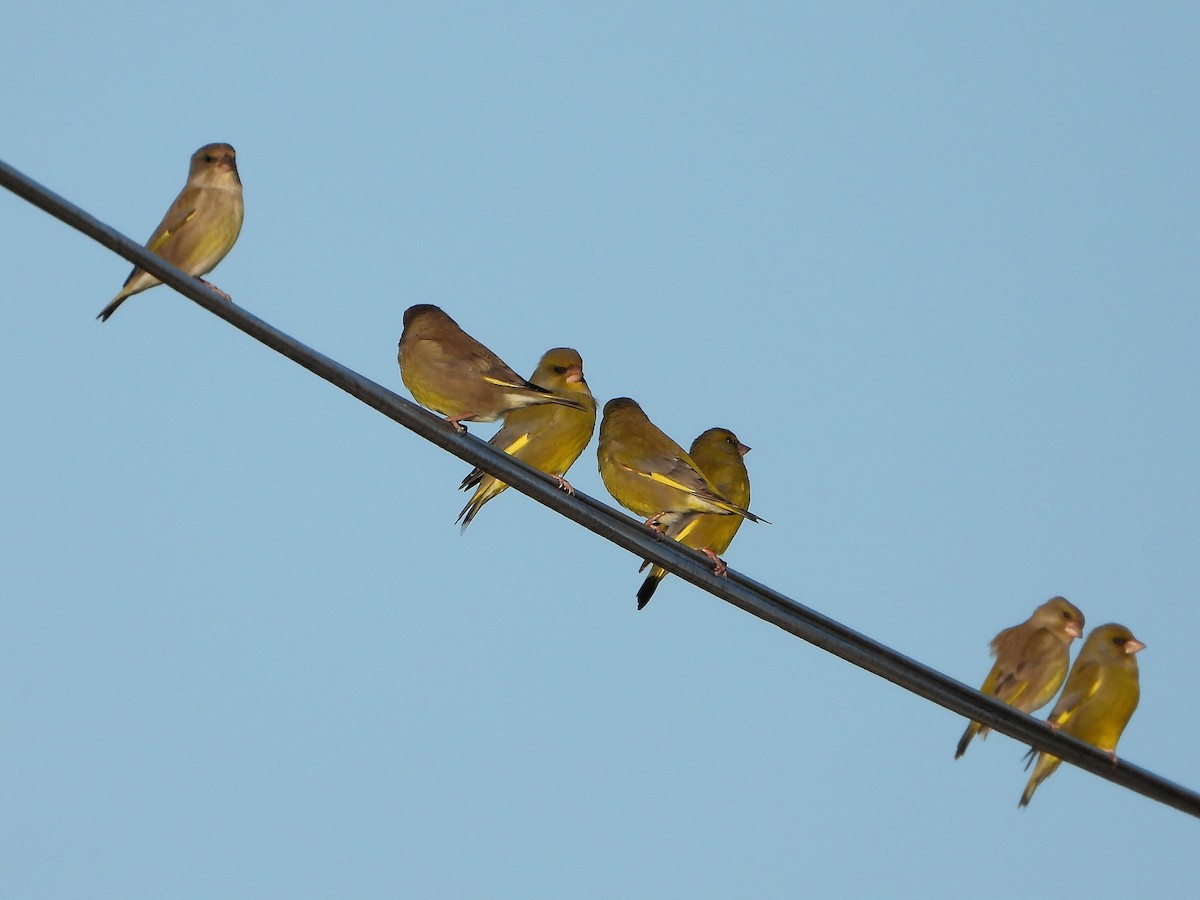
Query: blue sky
<point x="935" y="263"/>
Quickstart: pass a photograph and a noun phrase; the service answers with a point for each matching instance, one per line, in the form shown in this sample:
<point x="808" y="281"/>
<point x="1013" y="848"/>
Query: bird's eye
<point x="208" y="157"/>
<point x="1120" y="641"/>
<point x="559" y="370"/>
<point x="1066" y="614"/>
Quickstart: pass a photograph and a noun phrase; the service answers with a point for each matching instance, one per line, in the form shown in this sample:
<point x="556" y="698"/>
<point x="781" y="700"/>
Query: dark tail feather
<point x="649" y="586"/>
<point x="565" y="401"/>
<point x="971" y="731"/>
<point x="468" y="512"/>
<point x="550" y="396"/>
<point x="744" y="513"/>
<point x="110" y="309"/>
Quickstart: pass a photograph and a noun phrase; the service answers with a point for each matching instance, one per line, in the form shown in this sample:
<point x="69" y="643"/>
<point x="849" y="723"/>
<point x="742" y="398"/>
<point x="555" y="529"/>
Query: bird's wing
<point x="181" y="212"/>
<point x="1081" y="687"/>
<point x="508" y="439"/>
<point x="1014" y="675"/>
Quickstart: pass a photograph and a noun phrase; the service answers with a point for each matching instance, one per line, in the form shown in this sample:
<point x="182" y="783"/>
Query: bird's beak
<point x="743" y="449"/>
<point x="574" y="375"/>
<point x="228" y="162"/>
<point x="1074" y="630"/>
<point x="1133" y="645"/>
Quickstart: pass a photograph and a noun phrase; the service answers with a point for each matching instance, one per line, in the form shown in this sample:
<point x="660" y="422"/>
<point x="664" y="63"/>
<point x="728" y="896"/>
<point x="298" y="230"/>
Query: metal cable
<point x="613" y="525"/>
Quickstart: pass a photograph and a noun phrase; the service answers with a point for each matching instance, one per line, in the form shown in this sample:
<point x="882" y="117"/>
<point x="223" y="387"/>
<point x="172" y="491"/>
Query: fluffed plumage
<point x="1031" y="661"/>
<point x="451" y="373"/>
<point x="1101" y="694"/>
<point x="201" y="226"/>
<point x="547" y="437"/>
<point x="718" y="453"/>
<point x="650" y="474"/>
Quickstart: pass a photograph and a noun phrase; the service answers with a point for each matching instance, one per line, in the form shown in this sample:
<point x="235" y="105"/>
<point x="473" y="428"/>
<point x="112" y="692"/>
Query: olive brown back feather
<point x="451" y="373"/>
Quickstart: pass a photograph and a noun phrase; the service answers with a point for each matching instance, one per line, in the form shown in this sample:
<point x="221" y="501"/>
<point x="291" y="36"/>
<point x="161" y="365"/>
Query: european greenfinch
<point x="547" y="437"/>
<point x="201" y="226"/>
<point x="718" y="453"/>
<point x="1031" y="661"/>
<point x="1101" y="694"/>
<point x="650" y="474"/>
<point x="451" y="373"/>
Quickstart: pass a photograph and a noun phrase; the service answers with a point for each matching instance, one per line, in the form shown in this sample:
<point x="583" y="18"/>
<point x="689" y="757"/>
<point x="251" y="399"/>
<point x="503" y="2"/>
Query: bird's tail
<point x="112" y="307"/>
<point x="744" y="513"/>
<point x="560" y="400"/>
<point x="650" y="585"/>
<point x="1045" y="767"/>
<point x="530" y="394"/>
<point x="472" y="480"/>
<point x="488" y="487"/>
<point x="973" y="729"/>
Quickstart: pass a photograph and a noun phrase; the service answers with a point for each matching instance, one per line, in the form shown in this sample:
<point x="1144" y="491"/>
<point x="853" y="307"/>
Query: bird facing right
<point x="1031" y="661"/>
<point x="547" y="437"/>
<point x="451" y="373"/>
<point x="649" y="473"/>
<point x="200" y="227"/>
<point x="719" y="455"/>
<point x="1101" y="694"/>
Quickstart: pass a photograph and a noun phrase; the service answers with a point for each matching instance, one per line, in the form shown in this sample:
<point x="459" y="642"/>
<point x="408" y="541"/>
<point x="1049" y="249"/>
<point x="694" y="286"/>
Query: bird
<point x="650" y="474"/>
<point x="201" y="226"/>
<point x="1101" y="694"/>
<point x="1031" y="661"/>
<point x="719" y="455"/>
<point x="451" y="373"/>
<point x="547" y="437"/>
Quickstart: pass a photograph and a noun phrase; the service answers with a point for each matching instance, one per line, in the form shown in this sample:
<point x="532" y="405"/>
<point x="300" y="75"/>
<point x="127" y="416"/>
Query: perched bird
<point x="718" y="453"/>
<point x="201" y="226"/>
<point x="547" y="437"/>
<point x="1031" y="661"/>
<point x="451" y="373"/>
<point x="1101" y="694"/>
<point x="650" y="474"/>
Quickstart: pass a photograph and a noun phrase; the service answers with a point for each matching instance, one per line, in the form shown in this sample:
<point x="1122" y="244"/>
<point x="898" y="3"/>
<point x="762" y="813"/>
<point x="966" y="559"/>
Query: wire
<point x="613" y="525"/>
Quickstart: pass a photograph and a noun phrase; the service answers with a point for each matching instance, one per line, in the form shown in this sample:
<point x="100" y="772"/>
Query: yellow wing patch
<point x="670" y="482"/>
<point x="515" y="447"/>
<point x="687" y="529"/>
<point x="154" y="245"/>
<point x="499" y="382"/>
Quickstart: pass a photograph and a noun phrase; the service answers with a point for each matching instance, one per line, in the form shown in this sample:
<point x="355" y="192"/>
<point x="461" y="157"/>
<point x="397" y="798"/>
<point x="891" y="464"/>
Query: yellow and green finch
<point x="201" y="226"/>
<point x="451" y="373"/>
<point x="547" y="437"/>
<point x="1031" y="661"/>
<point x="718" y="453"/>
<point x="650" y="474"/>
<point x="1100" y="696"/>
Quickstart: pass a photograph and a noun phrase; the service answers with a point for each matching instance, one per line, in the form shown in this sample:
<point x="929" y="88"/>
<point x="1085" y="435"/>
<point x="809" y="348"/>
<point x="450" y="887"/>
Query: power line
<point x="613" y="525"/>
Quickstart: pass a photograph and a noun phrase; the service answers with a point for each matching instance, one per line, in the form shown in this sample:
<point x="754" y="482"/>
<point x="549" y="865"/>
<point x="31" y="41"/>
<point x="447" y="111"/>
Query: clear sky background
<point x="936" y="263"/>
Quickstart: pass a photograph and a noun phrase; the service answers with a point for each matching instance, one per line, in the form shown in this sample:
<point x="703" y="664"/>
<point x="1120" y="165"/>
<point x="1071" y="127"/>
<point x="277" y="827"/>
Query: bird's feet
<point x="213" y="287"/>
<point x="719" y="568"/>
<point x="564" y="485"/>
<point x="652" y="524"/>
